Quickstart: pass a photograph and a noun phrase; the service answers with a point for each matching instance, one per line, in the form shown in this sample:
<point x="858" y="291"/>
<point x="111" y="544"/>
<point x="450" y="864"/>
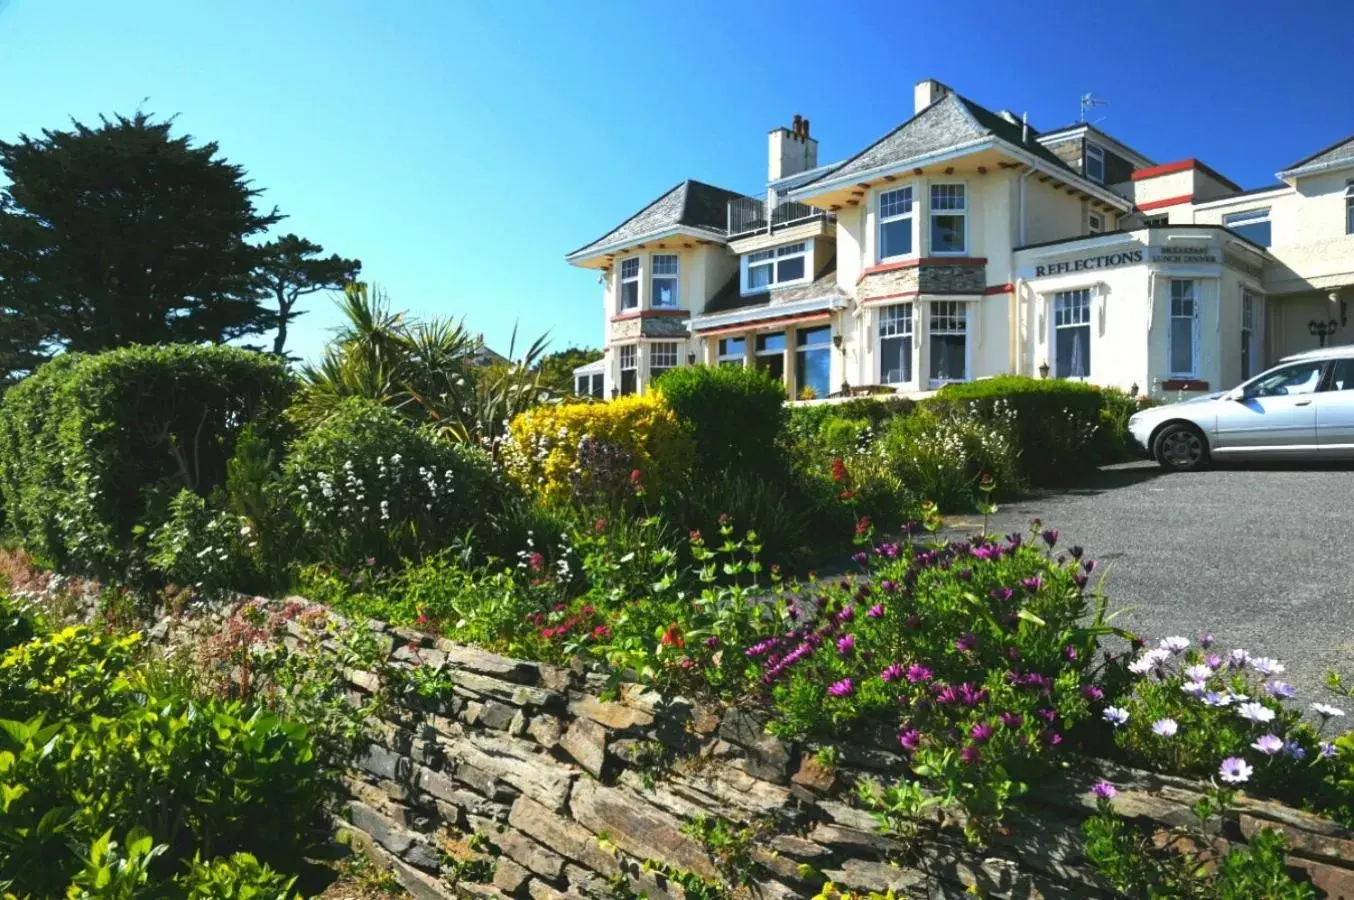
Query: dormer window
<point x="630" y="283"/>
<point x="1094" y="163"/>
<point x="776" y="267"/>
<point x="664" y="280"/>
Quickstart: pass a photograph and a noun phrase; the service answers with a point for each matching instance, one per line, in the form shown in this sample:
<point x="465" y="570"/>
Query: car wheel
<point x="1181" y="448"/>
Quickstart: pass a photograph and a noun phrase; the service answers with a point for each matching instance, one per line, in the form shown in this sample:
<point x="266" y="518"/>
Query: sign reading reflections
<point x="1194" y="254"/>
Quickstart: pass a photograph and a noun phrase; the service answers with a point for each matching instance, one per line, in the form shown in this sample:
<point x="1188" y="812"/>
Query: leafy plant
<point x="734" y="414"/>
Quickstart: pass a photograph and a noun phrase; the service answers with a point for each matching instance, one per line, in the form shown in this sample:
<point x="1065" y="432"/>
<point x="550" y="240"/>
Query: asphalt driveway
<point x="1262" y="558"/>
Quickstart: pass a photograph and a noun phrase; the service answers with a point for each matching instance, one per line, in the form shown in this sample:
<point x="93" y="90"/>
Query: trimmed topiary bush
<point x="735" y="416"/>
<point x="368" y="488"/>
<point x="599" y="452"/>
<point x="1056" y="424"/>
<point x="92" y="448"/>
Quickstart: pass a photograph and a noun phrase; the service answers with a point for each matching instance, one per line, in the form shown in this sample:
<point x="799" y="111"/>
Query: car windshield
<point x="1299" y="378"/>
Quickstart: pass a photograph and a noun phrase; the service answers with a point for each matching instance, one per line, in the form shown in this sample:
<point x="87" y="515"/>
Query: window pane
<point x="1258" y="232"/>
<point x="812" y="371"/>
<point x="895" y="360"/>
<point x="790" y="269"/>
<point x="770" y="342"/>
<point x="791" y="249"/>
<point x="759" y="276"/>
<point x="1342" y="379"/>
<point x="665" y="264"/>
<point x="773" y="365"/>
<point x="947" y="197"/>
<point x="895" y="238"/>
<point x="665" y="292"/>
<point x="731" y="347"/>
<point x="628" y="381"/>
<point x="1074" y="352"/>
<point x="630" y="268"/>
<point x="949" y="316"/>
<point x="947" y="234"/>
<point x="1182" y="346"/>
<point x="814" y="337"/>
<point x="947" y="357"/>
<point x="895" y="203"/>
<point x="1296" y="379"/>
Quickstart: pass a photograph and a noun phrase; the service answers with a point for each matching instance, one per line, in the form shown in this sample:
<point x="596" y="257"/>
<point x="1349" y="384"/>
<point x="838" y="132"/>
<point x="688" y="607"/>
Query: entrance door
<point x="1274" y="414"/>
<point x="1335" y="411"/>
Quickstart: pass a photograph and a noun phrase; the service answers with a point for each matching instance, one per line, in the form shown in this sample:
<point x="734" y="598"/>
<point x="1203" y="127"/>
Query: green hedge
<point x="92" y="448"/>
<point x="1057" y="425"/>
<point x="735" y="416"/>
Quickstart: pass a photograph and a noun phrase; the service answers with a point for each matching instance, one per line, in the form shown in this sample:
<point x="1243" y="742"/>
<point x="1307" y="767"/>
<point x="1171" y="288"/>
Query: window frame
<point x="675" y="277"/>
<point x="932" y="332"/>
<point x="1258" y="216"/>
<point x="759" y="354"/>
<point x="633" y="367"/>
<point x="907" y="337"/>
<point x="932" y="214"/>
<point x="1054" y="313"/>
<point x="1349" y="207"/>
<point x="622" y="280"/>
<point x="778" y="255"/>
<point x="724" y="359"/>
<point x="1193" y="319"/>
<point x="802" y="349"/>
<point x="1249" y="307"/>
<point x="656" y="347"/>
<point x="1092" y="150"/>
<point x="881" y="220"/>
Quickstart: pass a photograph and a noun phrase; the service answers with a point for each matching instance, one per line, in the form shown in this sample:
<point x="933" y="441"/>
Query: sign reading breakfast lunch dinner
<point x="1190" y="255"/>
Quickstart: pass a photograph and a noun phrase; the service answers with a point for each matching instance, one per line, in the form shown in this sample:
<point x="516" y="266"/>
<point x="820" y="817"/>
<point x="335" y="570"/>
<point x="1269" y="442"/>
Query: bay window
<point x="629" y="369"/>
<point x="732" y="351"/>
<point x="663" y="280"/>
<point x="630" y="283"/>
<point x="895" y="223"/>
<point x="813" y="362"/>
<point x="1184" y="328"/>
<point x="895" y="344"/>
<point x="777" y="266"/>
<point x="949" y="219"/>
<point x="948" y="341"/>
<point x="771" y="354"/>
<point x="1072" y="333"/>
<point x="662" y="357"/>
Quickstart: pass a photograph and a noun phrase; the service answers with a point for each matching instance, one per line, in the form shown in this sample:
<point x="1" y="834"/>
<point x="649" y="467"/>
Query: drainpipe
<point x="1015" y="318"/>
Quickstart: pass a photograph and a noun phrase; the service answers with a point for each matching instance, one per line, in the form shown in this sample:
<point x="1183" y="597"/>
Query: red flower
<point x="838" y="470"/>
<point x="601" y="631"/>
<point x="536" y="562"/>
<point x="422" y="619"/>
<point x="862" y="525"/>
<point x="599" y="525"/>
<point x="673" y="636"/>
<point x="847" y="495"/>
<point x="694" y="536"/>
<point x="634" y="476"/>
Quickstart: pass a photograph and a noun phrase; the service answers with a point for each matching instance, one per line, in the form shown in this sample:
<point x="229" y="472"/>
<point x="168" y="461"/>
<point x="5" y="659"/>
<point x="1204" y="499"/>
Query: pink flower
<point x="981" y="733"/>
<point x="876" y="611"/>
<point x="917" y="672"/>
<point x="970" y="754"/>
<point x="1103" y="790"/>
<point x="845" y="644"/>
<point x="909" y="738"/>
<point x="843" y="688"/>
<point x="892" y="673"/>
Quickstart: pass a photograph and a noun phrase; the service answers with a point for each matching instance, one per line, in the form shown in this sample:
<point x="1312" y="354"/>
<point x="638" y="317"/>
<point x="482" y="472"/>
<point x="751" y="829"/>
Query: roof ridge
<point x="1322" y="152"/>
<point x="868" y="147"/>
<point x="643" y="209"/>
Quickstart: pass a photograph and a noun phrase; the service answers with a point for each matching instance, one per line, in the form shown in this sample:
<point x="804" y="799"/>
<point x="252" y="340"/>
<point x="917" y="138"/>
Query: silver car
<point x="1303" y="408"/>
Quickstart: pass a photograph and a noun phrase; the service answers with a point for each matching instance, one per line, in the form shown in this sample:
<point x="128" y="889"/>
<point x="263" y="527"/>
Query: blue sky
<point x="460" y="149"/>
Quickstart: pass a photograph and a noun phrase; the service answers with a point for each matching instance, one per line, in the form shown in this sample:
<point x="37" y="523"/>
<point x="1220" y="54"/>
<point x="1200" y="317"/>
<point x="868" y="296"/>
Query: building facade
<point x="965" y="244"/>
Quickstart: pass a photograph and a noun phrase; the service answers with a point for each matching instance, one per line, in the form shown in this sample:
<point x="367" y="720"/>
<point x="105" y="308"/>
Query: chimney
<point x="927" y="92"/>
<point x="791" y="150"/>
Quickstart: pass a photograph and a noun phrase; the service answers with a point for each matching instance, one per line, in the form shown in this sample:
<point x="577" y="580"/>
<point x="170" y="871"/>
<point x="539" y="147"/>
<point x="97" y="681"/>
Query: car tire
<point x="1180" y="447"/>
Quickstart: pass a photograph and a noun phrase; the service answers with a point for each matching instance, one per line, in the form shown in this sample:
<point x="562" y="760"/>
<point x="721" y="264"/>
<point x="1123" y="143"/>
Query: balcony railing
<point x="747" y="215"/>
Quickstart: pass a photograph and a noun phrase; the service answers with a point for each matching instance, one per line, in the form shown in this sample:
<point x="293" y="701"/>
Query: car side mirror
<point x="1237" y="394"/>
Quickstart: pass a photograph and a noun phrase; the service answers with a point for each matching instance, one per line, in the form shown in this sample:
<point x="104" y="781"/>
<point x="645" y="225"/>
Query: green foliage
<point x="17" y="623"/>
<point x="735" y="416"/>
<point x="197" y="546"/>
<point x="774" y="509"/>
<point x="124" y="234"/>
<point x="1055" y="424"/>
<point x="942" y="454"/>
<point x="365" y="485"/>
<point x="292" y="268"/>
<point x="557" y="369"/>
<point x="237" y="877"/>
<point x="1115" y="443"/>
<point x="92" y="448"/>
<point x="1187" y="864"/>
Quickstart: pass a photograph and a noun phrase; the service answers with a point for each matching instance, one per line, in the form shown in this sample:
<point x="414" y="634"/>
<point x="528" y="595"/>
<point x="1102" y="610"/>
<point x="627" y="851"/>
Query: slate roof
<point x="949" y="122"/>
<point x="692" y="204"/>
<point x="730" y="297"/>
<point x="1340" y="151"/>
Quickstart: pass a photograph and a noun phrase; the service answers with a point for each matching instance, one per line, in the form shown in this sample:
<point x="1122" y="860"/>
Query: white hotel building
<point x="965" y="244"/>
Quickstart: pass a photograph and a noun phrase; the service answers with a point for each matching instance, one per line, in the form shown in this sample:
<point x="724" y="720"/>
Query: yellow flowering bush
<point x="598" y="451"/>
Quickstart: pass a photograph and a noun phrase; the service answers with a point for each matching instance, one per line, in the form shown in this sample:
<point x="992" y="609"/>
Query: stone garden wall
<point x="525" y="782"/>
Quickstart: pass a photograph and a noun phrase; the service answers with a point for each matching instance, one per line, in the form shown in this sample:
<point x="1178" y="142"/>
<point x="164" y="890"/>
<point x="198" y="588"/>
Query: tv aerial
<point x="1089" y="102"/>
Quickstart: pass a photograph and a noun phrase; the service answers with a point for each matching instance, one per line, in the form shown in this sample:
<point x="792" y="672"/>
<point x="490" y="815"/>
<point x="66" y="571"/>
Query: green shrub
<point x="237" y="877"/>
<point x="735" y="415"/>
<point x="1115" y="443"/>
<point x="365" y="485"/>
<point x="1055" y="424"/>
<point x="776" y="511"/>
<point x="93" y="447"/>
<point x="16" y="623"/>
<point x="939" y="454"/>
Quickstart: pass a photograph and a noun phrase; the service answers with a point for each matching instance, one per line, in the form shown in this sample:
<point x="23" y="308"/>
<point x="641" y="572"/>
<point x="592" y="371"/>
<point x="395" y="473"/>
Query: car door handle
<point x="1306" y="402"/>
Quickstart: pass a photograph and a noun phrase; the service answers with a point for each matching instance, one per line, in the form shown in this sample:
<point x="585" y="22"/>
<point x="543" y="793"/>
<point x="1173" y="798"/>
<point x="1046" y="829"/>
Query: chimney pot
<point x="806" y="129"/>
<point x="791" y="150"/>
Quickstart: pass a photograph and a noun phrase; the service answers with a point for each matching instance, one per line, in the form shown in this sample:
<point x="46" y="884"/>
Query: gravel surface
<point x="1260" y="557"/>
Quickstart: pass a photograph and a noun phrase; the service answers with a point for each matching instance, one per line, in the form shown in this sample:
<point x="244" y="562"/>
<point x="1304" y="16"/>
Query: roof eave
<point x="1316" y="169"/>
<point x="579" y="257"/>
<point x="1082" y="184"/>
<point x="825" y="303"/>
<point x="831" y="184"/>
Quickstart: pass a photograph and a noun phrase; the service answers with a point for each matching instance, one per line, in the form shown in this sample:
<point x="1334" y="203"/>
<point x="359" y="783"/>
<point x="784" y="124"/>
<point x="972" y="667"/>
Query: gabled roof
<point x="691" y="204"/>
<point x="1338" y="153"/>
<point x="952" y="121"/>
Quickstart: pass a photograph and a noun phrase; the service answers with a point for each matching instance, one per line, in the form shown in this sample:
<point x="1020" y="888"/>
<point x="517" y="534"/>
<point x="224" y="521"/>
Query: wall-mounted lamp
<point x="615" y="392"/>
<point x="837" y="342"/>
<point x="1133" y="389"/>
<point x="1043" y="369"/>
<point x="691" y="358"/>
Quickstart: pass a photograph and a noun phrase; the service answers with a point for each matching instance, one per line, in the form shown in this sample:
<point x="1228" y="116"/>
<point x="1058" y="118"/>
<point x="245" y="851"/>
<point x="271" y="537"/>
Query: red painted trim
<point x="1183" y="165"/>
<point x="998" y="289"/>
<point x="652" y="314"/>
<point x="923" y="261"/>
<point x="1184" y="384"/>
<point x="1169" y="201"/>
<point x="758" y="323"/>
<point x="871" y="301"/>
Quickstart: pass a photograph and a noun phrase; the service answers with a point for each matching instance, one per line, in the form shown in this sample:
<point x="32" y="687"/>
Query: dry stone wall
<point x="530" y="780"/>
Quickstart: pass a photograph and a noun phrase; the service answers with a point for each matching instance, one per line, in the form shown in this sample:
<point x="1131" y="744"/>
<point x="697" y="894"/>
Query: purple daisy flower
<point x="1234" y="770"/>
<point x="1103" y="790"/>
<point x="970" y="754"/>
<point x="843" y="688"/>
<point x="876" y="611"/>
<point x="1280" y="690"/>
<point x="966" y="642"/>
<point x="909" y="738"/>
<point x="1165" y="727"/>
<point x="892" y="673"/>
<point x="1268" y="744"/>
<point x="1255" y="712"/>
<point x="1115" y="715"/>
<point x="846" y="644"/>
<point x="917" y="672"/>
<point x="1206" y="640"/>
<point x="1091" y="692"/>
<point x="1050" y="536"/>
<point x="1012" y="720"/>
<point x="981" y="733"/>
